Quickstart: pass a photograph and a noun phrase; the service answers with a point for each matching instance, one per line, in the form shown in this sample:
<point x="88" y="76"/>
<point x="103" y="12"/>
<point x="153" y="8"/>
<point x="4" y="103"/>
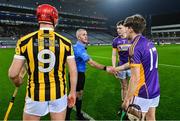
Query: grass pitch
<point x="101" y="98"/>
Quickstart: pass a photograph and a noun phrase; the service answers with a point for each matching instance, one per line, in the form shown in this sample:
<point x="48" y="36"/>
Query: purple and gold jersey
<point x="143" y="54"/>
<point x="122" y="47"/>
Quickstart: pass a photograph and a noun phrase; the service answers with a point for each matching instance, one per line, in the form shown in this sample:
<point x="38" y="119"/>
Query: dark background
<point x="162" y="12"/>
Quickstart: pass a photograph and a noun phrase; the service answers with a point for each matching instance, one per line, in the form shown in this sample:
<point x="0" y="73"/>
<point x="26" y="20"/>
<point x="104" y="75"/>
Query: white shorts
<point x="124" y="74"/>
<point x="145" y="104"/>
<point x="42" y="108"/>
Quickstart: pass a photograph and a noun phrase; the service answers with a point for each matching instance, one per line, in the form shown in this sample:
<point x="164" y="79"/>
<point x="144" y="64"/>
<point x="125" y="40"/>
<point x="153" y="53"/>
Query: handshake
<point x="111" y="70"/>
<point x="116" y="70"/>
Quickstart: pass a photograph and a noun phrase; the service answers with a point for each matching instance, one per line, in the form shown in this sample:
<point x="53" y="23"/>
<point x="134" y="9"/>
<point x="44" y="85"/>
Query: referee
<point x="82" y="57"/>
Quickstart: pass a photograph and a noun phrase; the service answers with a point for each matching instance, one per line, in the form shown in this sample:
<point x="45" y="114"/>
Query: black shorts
<point x="80" y="81"/>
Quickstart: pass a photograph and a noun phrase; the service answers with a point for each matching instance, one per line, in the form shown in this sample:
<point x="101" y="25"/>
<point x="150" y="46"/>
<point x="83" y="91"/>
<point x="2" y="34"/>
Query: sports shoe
<point x="81" y="117"/>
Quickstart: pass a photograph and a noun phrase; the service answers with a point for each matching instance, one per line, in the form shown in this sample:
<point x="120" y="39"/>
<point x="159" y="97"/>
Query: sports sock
<point x="68" y="113"/>
<point x="78" y="106"/>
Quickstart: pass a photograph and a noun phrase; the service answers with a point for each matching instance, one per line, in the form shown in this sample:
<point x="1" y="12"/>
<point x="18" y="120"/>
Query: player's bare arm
<point x="133" y="83"/>
<point x="73" y="81"/>
<point x="95" y="64"/>
<point x="114" y="57"/>
<point x="123" y="67"/>
<point x="15" y="71"/>
<point x="23" y="71"/>
<point x="100" y="66"/>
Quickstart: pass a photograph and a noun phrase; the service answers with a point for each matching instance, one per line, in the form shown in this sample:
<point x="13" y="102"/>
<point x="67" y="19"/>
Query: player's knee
<point x="150" y="116"/>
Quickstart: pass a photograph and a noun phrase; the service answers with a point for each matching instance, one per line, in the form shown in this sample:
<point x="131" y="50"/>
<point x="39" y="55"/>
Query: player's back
<point x="146" y="56"/>
<point x="46" y="53"/>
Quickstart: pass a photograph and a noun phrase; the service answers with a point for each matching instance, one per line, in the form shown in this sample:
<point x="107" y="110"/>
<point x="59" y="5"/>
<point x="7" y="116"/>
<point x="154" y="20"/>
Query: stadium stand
<point x="18" y="19"/>
<point x="80" y="8"/>
<point x="169" y="34"/>
<point x="166" y="32"/>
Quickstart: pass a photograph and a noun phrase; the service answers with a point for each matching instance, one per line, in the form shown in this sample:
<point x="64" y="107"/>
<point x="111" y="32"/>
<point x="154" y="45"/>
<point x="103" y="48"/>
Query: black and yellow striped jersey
<point x="45" y="52"/>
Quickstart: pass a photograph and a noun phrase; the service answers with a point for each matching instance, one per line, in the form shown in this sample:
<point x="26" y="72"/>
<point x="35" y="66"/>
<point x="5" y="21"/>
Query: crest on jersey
<point x="17" y="50"/>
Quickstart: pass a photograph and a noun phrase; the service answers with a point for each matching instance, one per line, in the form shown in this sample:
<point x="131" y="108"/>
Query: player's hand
<point x="21" y="76"/>
<point x="125" y="104"/>
<point x="18" y="81"/>
<point x="110" y="69"/>
<point x="71" y="99"/>
<point x="22" y="72"/>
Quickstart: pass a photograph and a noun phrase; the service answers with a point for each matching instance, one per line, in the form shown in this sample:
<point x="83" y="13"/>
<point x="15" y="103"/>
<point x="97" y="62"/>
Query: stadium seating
<point x="166" y="33"/>
<point x="18" y="19"/>
<point x="61" y="5"/>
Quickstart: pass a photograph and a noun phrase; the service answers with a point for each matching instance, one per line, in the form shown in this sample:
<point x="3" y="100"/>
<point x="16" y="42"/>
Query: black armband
<point x="104" y="68"/>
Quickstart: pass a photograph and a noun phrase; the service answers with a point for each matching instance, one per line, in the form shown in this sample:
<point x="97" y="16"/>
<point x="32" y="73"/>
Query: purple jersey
<point x="122" y="46"/>
<point x="143" y="54"/>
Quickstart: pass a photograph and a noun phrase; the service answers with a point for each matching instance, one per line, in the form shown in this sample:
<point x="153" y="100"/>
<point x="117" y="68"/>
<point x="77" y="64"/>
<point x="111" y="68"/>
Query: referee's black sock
<point x="78" y="106"/>
<point x="68" y="113"/>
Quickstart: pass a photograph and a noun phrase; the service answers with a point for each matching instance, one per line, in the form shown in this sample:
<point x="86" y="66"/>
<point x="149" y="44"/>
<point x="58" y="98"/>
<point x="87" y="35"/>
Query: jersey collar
<point x="136" y="37"/>
<point x="46" y="28"/>
<point x="80" y="43"/>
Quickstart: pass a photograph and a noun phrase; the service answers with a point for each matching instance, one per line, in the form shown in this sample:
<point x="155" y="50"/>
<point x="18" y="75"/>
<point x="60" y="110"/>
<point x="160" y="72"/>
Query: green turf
<point x="102" y="91"/>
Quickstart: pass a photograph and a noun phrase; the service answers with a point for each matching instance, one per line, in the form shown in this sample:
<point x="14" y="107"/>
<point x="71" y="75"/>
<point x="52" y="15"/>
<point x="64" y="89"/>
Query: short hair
<point x="121" y="22"/>
<point x="136" y="22"/>
<point x="78" y="32"/>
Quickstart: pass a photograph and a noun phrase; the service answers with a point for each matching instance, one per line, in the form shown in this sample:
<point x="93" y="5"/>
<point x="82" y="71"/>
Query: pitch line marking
<point x="85" y="115"/>
<point x="170" y="65"/>
<point x="161" y="64"/>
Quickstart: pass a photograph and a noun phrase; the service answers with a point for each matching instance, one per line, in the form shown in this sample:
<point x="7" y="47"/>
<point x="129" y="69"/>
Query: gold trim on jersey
<point x="142" y="74"/>
<point x="141" y="81"/>
<point x="135" y="65"/>
<point x="31" y="67"/>
<point x="41" y="74"/>
<point x="51" y="73"/>
<point x="62" y="50"/>
<point x="131" y="48"/>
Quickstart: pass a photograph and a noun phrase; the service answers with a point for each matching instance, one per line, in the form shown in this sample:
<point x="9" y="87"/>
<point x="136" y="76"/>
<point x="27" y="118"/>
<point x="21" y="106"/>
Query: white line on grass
<point x="170" y="65"/>
<point x="86" y="115"/>
<point x="161" y="64"/>
<point x="101" y="57"/>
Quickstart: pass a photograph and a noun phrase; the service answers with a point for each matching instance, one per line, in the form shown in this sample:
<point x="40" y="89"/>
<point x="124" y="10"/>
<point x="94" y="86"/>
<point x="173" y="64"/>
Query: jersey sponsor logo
<point x="123" y="47"/>
<point x="17" y="50"/>
<point x="46" y="43"/>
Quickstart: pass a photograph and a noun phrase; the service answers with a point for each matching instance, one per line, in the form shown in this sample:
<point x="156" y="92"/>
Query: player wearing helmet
<point x="47" y="14"/>
<point x="46" y="54"/>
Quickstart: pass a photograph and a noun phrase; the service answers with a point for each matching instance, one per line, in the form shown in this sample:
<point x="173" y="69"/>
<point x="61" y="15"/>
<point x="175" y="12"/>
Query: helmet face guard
<point x="47" y="14"/>
<point x="134" y="112"/>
